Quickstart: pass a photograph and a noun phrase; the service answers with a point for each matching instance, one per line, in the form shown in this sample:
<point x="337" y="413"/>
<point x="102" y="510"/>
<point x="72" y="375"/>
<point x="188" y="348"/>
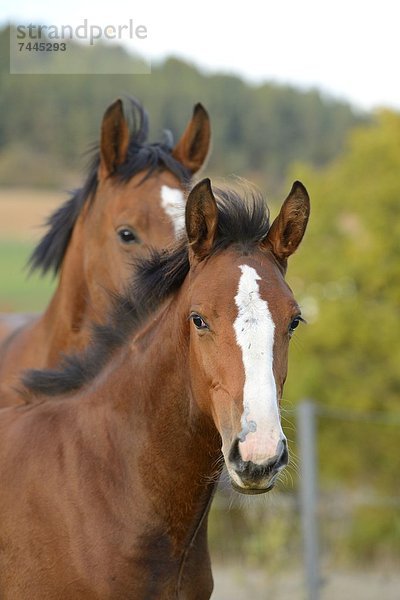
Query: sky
<point x="349" y="49"/>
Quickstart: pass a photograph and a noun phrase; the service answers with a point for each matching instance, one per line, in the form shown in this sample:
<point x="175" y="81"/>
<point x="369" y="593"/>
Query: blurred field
<point x="22" y="214"/>
<point x="237" y="583"/>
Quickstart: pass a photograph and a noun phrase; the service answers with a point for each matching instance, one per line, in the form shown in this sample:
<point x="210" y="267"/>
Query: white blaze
<point x="254" y="328"/>
<point x="173" y="202"/>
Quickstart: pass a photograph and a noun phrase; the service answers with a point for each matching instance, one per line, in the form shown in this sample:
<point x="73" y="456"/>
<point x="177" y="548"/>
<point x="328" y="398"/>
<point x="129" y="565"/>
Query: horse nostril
<point x="234" y="454"/>
<point x="282" y="455"/>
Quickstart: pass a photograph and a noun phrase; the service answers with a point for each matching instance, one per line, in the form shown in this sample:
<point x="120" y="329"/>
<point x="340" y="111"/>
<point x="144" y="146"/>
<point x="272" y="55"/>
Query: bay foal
<point x="132" y="200"/>
<point x="107" y="481"/>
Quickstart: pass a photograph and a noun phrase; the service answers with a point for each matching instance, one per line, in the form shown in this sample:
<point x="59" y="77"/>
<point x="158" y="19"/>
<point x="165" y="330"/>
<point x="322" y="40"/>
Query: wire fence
<point x="318" y="505"/>
<point x="328" y="516"/>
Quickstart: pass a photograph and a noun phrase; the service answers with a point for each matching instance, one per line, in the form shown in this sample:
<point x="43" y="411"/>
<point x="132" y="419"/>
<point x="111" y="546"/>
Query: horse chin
<point x="251" y="491"/>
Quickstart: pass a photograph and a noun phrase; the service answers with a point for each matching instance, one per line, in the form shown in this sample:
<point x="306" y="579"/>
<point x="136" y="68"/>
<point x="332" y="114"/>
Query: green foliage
<point x="37" y="168"/>
<point x="375" y="535"/>
<point x="255" y="530"/>
<point x="257" y="130"/>
<point x="346" y="277"/>
<point x="18" y="293"/>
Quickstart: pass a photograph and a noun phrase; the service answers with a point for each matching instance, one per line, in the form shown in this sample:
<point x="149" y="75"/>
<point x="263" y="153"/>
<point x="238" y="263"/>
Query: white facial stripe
<point x="254" y="329"/>
<point x="173" y="202"/>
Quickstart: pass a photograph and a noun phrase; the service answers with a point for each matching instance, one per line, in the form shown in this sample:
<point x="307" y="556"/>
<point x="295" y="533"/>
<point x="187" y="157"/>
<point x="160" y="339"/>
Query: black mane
<point x="50" y="252"/>
<point x="242" y="221"/>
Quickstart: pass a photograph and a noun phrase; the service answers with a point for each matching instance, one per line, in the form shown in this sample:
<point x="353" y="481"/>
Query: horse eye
<point x="199" y="323"/>
<point x="127" y="236"/>
<point x="295" y="323"/>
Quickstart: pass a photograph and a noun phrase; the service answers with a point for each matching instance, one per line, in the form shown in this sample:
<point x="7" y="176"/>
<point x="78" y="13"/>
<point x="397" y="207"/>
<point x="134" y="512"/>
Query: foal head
<point x="242" y="316"/>
<point x="132" y="199"/>
<point x="235" y="316"/>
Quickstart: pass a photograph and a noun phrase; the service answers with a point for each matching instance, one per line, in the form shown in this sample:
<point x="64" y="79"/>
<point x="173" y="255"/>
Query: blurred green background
<point x="346" y="274"/>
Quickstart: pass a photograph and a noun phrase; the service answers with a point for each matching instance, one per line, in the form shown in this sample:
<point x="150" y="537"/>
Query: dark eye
<point x="127" y="236"/>
<point x="294" y="324"/>
<point x="199" y="323"/>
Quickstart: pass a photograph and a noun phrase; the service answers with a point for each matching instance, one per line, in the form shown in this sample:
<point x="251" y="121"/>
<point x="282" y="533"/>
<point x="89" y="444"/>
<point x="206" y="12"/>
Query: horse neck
<point x="173" y="448"/>
<point x="68" y="317"/>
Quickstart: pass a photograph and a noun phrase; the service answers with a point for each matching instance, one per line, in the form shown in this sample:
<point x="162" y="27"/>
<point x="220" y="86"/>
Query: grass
<point x="18" y="292"/>
<point x="22" y="212"/>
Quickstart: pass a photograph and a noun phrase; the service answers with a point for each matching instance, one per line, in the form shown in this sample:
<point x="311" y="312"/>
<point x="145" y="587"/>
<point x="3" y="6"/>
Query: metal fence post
<point x="306" y="432"/>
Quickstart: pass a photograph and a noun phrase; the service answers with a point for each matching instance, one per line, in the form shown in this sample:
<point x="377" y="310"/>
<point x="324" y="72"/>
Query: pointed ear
<point x="201" y="219"/>
<point x="114" y="139"/>
<point x="287" y="231"/>
<point x="192" y="148"/>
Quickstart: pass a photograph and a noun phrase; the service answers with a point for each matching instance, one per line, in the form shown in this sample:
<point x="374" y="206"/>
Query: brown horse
<point x="132" y="199"/>
<point x="107" y="482"/>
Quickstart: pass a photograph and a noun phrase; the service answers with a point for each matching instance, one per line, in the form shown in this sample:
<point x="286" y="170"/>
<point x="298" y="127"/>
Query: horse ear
<point x="201" y="219"/>
<point x="287" y="231"/>
<point x="192" y="148"/>
<point x="114" y="139"/>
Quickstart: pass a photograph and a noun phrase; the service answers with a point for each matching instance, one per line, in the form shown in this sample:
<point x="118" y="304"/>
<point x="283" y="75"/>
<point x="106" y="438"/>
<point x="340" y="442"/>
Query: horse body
<point x="115" y="517"/>
<point x="106" y="488"/>
<point x="123" y="210"/>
